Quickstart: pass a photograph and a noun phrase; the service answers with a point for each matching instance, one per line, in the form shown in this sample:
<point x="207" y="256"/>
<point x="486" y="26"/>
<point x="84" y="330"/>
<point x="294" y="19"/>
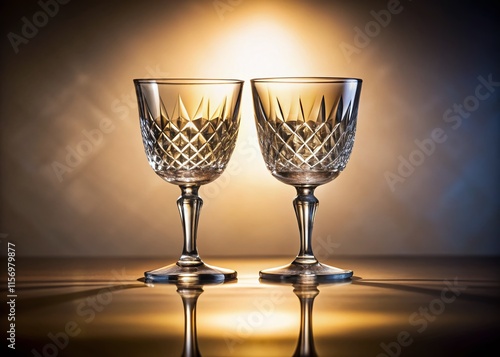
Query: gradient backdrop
<point x="423" y="177"/>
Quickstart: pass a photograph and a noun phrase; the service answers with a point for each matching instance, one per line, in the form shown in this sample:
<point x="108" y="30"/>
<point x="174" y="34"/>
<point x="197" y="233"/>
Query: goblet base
<point x="202" y="273"/>
<point x="297" y="272"/>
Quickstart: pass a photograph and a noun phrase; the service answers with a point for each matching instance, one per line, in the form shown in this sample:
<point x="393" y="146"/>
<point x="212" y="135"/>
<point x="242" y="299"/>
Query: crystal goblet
<point x="189" y="129"/>
<point x="306" y="128"/>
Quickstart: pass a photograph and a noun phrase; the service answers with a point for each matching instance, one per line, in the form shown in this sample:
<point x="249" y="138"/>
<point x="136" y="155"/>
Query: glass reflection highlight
<point x="306" y="294"/>
<point x="189" y="291"/>
<point x="306" y="291"/>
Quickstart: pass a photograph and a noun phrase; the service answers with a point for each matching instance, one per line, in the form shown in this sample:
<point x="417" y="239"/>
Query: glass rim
<point x="188" y="81"/>
<point x="306" y="80"/>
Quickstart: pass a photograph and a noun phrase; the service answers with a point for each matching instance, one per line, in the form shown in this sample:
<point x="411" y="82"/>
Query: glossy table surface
<point x="404" y="306"/>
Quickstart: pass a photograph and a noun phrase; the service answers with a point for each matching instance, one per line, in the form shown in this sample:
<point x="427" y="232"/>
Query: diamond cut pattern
<point x="319" y="140"/>
<point x="174" y="140"/>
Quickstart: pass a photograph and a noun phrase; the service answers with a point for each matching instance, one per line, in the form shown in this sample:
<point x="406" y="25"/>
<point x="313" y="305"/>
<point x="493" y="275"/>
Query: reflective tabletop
<point x="393" y="306"/>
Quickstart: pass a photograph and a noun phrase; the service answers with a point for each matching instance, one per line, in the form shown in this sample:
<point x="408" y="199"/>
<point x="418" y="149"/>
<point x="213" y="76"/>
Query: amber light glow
<point x="96" y="97"/>
<point x="76" y="180"/>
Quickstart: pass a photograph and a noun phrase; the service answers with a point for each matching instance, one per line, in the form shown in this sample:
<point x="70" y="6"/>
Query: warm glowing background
<point x="74" y="78"/>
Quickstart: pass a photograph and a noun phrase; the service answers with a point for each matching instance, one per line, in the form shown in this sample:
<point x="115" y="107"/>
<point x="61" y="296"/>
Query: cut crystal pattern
<point x="306" y="128"/>
<point x="181" y="146"/>
<point x="320" y="139"/>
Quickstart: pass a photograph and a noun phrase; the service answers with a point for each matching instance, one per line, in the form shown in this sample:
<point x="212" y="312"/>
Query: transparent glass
<point x="306" y="291"/>
<point x="189" y="129"/>
<point x="306" y="128"/>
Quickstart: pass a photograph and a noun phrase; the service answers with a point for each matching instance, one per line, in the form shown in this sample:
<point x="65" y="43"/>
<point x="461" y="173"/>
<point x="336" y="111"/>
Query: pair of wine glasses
<point x="305" y="127"/>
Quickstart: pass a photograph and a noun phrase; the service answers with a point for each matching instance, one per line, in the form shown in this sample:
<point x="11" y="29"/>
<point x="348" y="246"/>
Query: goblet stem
<point x="305" y="205"/>
<point x="189" y="204"/>
<point x="305" y="267"/>
<point x="190" y="267"/>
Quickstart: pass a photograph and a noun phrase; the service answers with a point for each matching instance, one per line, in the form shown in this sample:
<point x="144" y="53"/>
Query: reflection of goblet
<point x="189" y="293"/>
<point x="306" y="294"/>
<point x="306" y="291"/>
<point x="189" y="129"/>
<point x="306" y="130"/>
